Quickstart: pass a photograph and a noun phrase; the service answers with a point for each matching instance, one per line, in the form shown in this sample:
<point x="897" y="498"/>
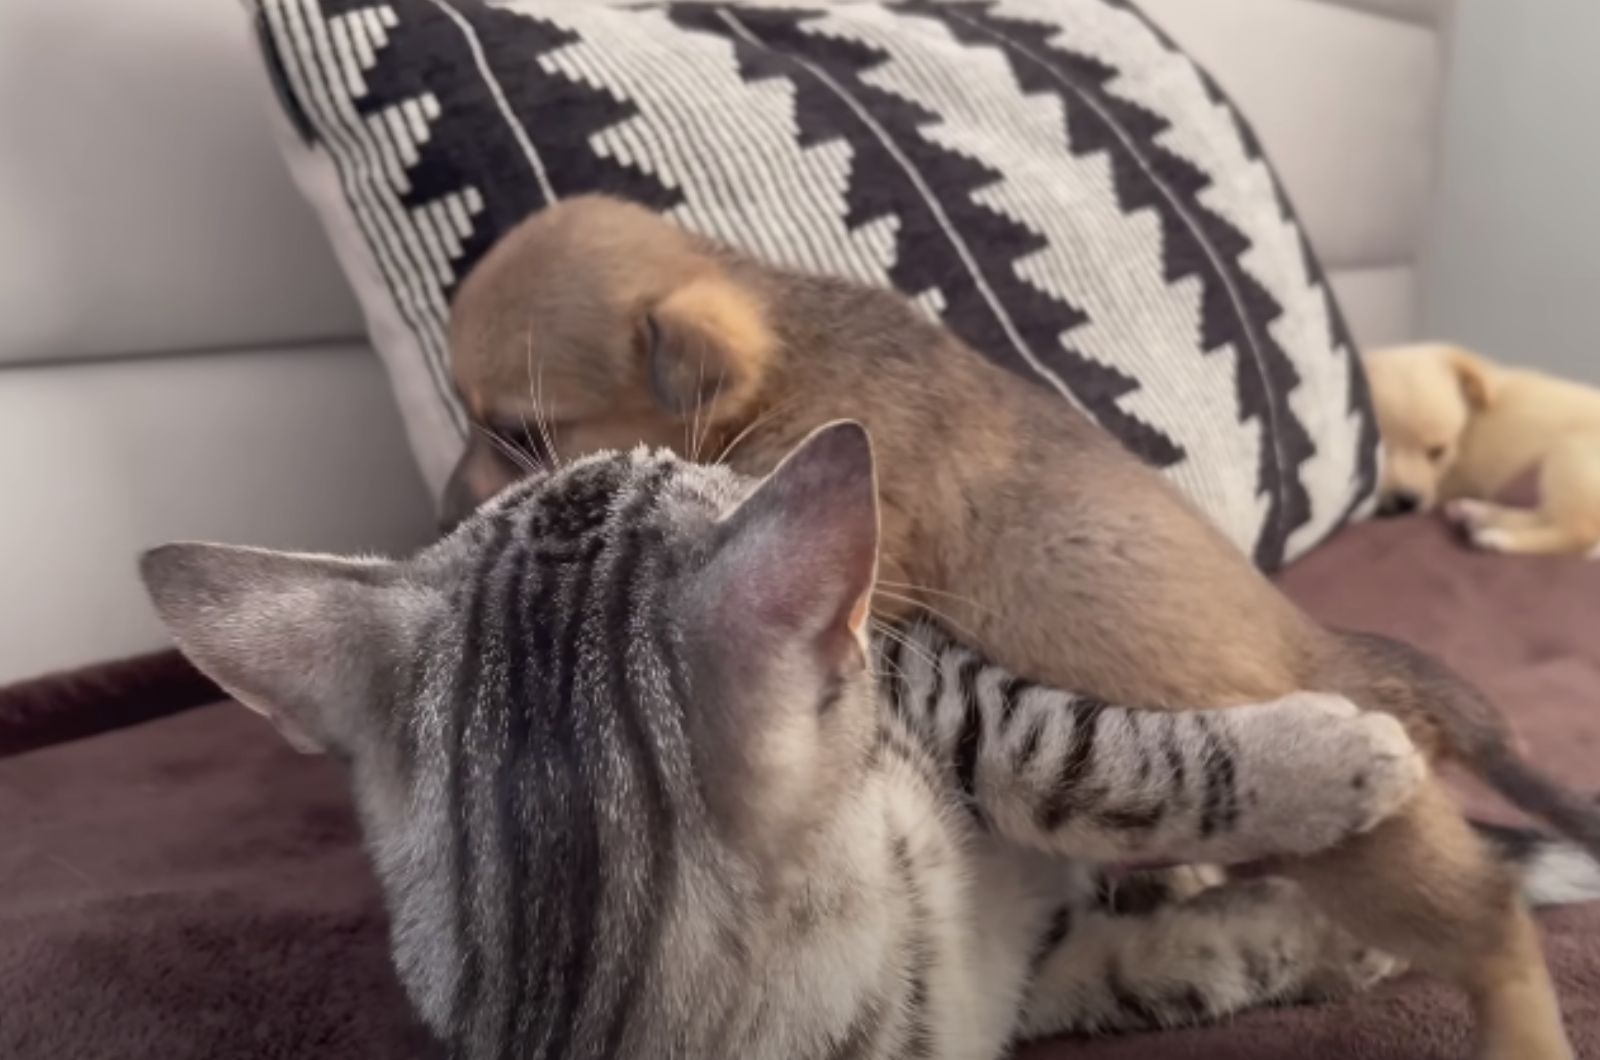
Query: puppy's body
<point x="1457" y="430"/>
<point x="1031" y="531"/>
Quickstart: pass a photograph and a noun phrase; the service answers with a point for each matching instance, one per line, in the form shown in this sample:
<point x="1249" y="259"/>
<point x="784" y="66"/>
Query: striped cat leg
<point x="1230" y="948"/>
<point x="1089" y="780"/>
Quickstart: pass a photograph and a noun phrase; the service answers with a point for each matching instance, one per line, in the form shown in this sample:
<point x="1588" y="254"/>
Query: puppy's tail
<point x="1384" y="674"/>
<point x="1553" y="872"/>
<point x="1573" y="815"/>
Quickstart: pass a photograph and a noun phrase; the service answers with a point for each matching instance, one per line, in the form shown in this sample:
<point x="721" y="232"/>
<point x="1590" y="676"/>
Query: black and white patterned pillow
<point x="1053" y="178"/>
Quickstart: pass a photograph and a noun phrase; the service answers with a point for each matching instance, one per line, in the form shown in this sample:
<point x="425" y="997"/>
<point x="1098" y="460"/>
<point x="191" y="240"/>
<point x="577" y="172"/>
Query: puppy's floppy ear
<point x="707" y="345"/>
<point x="1476" y="377"/>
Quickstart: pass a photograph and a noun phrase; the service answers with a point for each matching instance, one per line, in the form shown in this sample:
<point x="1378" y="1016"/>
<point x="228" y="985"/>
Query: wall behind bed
<point x="1515" y="263"/>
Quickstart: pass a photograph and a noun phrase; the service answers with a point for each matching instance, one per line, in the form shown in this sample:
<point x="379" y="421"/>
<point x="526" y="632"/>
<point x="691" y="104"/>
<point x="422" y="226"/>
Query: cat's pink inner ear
<point x="800" y="553"/>
<point x="860" y="615"/>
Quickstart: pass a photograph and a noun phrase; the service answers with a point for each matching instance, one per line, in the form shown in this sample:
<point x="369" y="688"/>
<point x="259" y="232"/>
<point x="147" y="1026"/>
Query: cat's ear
<point x="309" y="641"/>
<point x="795" y="563"/>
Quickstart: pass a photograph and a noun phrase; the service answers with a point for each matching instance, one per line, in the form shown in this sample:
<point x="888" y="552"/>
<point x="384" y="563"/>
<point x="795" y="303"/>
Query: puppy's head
<point x="1424" y="396"/>
<point x="596" y="324"/>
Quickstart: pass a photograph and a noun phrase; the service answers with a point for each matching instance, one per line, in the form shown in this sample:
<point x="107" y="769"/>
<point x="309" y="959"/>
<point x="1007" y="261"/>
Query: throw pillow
<point x="1053" y="178"/>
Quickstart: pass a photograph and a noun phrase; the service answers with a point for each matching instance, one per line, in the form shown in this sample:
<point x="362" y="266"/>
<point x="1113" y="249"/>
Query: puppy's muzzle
<point x="1400" y="502"/>
<point x="484" y="470"/>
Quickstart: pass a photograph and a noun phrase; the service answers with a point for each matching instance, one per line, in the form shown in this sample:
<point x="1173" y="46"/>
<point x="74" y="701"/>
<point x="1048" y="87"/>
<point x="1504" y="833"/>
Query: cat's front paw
<point x="1323" y="770"/>
<point x="1345" y="968"/>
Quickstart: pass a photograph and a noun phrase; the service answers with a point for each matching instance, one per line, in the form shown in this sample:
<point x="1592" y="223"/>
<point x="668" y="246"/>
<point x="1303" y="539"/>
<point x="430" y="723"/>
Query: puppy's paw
<point x="1490" y="539"/>
<point x="1467" y="515"/>
<point x="1319" y="771"/>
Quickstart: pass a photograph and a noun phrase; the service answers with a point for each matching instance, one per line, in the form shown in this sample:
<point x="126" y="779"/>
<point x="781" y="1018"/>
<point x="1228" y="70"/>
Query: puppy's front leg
<point x="1523" y="531"/>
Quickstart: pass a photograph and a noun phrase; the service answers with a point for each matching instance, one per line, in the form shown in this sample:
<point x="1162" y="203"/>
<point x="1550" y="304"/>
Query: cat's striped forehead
<point x="582" y="498"/>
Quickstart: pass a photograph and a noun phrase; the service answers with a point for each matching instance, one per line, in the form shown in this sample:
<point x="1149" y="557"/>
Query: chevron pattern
<point x="1053" y="179"/>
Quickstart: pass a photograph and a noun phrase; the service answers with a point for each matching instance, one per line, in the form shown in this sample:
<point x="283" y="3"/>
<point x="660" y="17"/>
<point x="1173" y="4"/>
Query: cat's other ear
<point x="796" y="561"/>
<point x="310" y="641"/>
<point x="707" y="345"/>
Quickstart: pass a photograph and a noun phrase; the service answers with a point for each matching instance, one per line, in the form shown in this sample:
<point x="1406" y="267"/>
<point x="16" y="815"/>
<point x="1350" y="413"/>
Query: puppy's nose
<point x="1400" y="502"/>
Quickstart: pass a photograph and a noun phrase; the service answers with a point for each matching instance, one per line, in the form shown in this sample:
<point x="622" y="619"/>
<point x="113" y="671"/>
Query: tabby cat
<point x="632" y="790"/>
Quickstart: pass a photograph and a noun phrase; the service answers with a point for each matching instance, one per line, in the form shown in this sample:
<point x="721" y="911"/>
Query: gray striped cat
<point x="633" y="790"/>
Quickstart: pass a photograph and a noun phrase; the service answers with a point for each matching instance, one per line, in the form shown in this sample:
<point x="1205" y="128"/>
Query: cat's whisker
<point x="541" y="418"/>
<point x="900" y="638"/>
<point x="957" y="597"/>
<point x="771" y="411"/>
<point x="882" y="629"/>
<point x="705" y="430"/>
<point x="965" y="631"/>
<point x="699" y="387"/>
<point x="525" y="461"/>
<point x="527" y="434"/>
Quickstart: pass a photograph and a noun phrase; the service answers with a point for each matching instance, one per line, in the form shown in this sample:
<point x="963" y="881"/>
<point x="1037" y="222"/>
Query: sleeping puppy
<point x="1457" y="428"/>
<point x="1021" y="523"/>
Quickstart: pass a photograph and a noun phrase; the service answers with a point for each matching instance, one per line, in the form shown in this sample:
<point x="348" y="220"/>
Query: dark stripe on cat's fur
<point x="917" y="1043"/>
<point x="512" y="810"/>
<point x="1030" y="743"/>
<point x="1176" y="770"/>
<point x="1011" y="692"/>
<point x="892" y="675"/>
<point x="1136" y="1011"/>
<point x="627" y="599"/>
<point x="1055" y="933"/>
<point x="1074" y="765"/>
<point x="1220" y="810"/>
<point x="1131" y="818"/>
<point x="1139" y="894"/>
<point x="1141" y="744"/>
<point x="860" y="1039"/>
<point x="971" y="736"/>
<point x="466" y="690"/>
<point x="574" y="963"/>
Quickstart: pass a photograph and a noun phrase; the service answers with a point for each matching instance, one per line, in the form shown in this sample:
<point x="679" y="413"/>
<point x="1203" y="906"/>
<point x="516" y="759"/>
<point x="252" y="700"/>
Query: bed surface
<point x="188" y="887"/>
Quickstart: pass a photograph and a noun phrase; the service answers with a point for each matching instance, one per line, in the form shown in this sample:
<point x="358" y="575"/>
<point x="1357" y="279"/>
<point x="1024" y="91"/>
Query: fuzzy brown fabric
<point x="191" y="888"/>
<point x="78" y="703"/>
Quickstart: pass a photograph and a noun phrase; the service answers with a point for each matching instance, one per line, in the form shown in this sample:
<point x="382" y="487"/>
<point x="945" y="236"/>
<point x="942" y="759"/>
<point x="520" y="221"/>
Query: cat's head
<point x="590" y="732"/>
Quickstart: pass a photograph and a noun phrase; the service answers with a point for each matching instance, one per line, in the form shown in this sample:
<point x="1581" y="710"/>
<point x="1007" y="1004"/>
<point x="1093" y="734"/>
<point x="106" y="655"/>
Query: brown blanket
<point x="189" y="887"/>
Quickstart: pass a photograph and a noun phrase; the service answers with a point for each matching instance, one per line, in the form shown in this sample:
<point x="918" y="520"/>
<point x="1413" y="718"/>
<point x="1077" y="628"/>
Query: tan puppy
<point x="1023" y="524"/>
<point x="1458" y="428"/>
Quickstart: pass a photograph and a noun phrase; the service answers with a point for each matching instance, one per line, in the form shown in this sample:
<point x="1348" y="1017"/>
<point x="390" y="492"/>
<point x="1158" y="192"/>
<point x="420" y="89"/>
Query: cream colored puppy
<point x="1458" y="428"/>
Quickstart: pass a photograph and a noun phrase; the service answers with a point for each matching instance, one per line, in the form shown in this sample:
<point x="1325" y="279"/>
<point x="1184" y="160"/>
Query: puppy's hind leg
<point x="1469" y="515"/>
<point x="1532" y="540"/>
<point x="1424" y="887"/>
<point x="1569" y="489"/>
